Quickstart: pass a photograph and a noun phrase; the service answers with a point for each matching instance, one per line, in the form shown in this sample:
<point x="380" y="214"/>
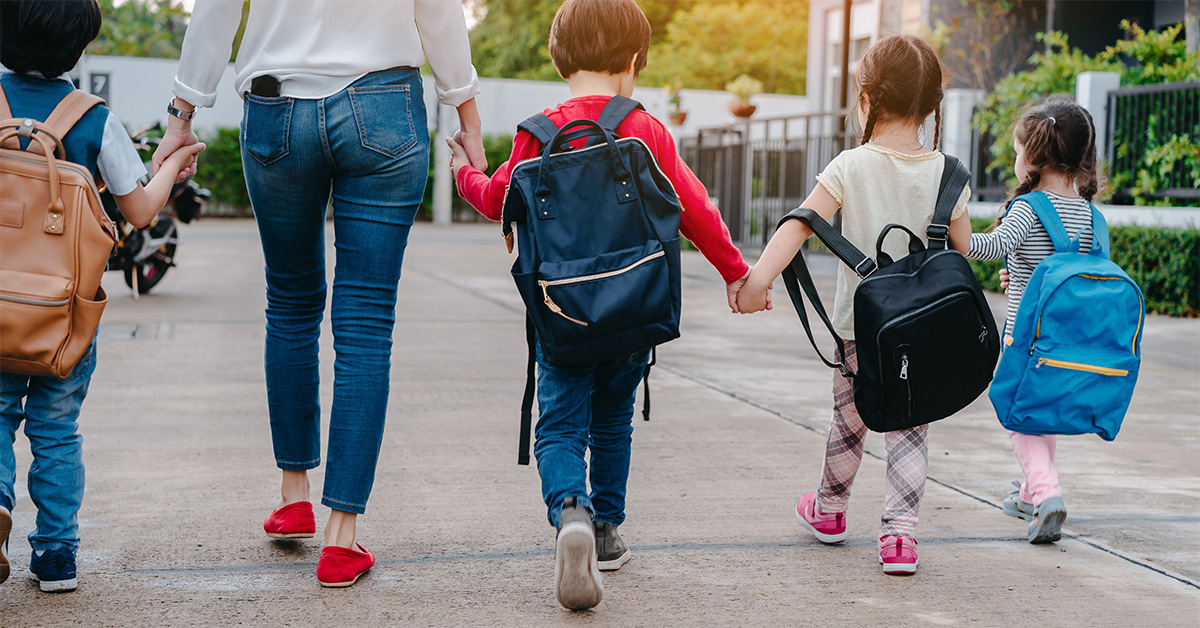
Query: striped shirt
<point x="1023" y="238"/>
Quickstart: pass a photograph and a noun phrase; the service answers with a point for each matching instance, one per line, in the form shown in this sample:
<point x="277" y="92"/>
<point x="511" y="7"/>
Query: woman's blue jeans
<point x="49" y="408"/>
<point x="364" y="149"/>
<point x="580" y="409"/>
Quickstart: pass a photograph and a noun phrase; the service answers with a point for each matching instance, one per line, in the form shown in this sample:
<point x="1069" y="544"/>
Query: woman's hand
<point x="458" y="155"/>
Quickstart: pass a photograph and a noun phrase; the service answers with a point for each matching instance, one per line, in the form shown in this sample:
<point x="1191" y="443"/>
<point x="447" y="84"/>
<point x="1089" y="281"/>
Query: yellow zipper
<point x="1141" y="315"/>
<point x="563" y="282"/>
<point x="1076" y="366"/>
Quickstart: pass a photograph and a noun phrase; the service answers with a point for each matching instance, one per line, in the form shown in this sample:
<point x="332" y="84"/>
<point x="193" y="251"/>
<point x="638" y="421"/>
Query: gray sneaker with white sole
<point x="611" y="550"/>
<point x="577" y="582"/>
<point x="1048" y="517"/>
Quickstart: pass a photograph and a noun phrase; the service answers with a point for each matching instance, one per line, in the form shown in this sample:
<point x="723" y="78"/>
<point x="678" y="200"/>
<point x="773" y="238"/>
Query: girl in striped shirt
<point x="1055" y="143"/>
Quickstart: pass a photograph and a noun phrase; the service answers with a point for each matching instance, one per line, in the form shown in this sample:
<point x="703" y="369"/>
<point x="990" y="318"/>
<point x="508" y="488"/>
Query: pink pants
<point x="1035" y="454"/>
<point x="907" y="461"/>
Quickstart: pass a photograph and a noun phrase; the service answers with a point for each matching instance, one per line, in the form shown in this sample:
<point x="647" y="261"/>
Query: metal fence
<point x="1145" y="117"/>
<point x="759" y="170"/>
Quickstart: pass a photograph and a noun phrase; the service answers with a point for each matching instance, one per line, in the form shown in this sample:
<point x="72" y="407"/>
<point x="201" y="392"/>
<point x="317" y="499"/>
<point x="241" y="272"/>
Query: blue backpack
<point x="1075" y="351"/>
<point x="597" y="246"/>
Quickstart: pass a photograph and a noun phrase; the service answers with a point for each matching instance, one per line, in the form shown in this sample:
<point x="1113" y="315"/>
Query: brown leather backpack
<point x="54" y="244"/>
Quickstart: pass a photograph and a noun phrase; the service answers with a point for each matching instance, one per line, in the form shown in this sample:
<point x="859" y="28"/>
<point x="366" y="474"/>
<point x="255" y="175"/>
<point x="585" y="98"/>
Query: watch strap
<point x="179" y="113"/>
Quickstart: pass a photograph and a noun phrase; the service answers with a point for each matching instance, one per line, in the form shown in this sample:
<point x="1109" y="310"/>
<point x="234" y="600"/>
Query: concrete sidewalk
<point x="180" y="476"/>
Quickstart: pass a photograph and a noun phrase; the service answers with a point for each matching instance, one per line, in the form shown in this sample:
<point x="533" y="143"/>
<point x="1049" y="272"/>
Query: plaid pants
<point x="907" y="460"/>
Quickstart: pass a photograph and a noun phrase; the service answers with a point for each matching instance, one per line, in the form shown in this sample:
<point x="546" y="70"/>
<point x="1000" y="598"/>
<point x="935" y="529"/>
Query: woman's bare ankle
<point x="294" y="487"/>
<point x="340" y="531"/>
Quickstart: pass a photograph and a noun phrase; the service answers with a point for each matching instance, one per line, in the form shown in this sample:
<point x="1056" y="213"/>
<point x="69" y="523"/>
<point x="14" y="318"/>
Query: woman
<point x="333" y="108"/>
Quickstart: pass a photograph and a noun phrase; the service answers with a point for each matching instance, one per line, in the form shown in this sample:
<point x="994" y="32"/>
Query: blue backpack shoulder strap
<point x="1100" y="243"/>
<point x="616" y="111"/>
<point x="541" y="127"/>
<point x="1049" y="216"/>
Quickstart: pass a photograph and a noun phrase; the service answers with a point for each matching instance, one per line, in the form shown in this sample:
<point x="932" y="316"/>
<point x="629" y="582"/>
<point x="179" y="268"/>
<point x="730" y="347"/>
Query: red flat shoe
<point x="294" y="521"/>
<point x="341" y="567"/>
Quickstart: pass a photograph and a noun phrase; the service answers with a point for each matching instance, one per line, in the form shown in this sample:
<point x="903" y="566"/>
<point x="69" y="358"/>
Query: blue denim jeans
<point x="49" y="407"/>
<point x="587" y="408"/>
<point x="367" y="148"/>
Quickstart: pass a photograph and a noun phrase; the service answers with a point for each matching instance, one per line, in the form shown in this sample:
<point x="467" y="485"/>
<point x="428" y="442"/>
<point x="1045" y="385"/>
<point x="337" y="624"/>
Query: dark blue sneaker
<point x="54" y="569"/>
<point x="5" y="528"/>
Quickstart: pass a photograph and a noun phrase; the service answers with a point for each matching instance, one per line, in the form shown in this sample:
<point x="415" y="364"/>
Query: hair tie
<point x="1051" y="120"/>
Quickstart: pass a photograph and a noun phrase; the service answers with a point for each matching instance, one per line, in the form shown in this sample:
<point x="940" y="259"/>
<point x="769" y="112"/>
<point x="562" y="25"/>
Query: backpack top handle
<point x="624" y="190"/>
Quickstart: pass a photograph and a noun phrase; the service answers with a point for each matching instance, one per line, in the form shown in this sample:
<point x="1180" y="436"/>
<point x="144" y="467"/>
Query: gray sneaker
<point x="1014" y="507"/>
<point x="577" y="581"/>
<point x="610" y="548"/>
<point x="1048" y="517"/>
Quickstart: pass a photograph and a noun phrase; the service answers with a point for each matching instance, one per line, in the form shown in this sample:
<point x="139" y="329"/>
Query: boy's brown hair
<point x="901" y="77"/>
<point x="599" y="36"/>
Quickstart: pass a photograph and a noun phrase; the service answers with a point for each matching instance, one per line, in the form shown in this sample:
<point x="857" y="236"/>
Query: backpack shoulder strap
<point x="69" y="111"/>
<point x="1100" y="243"/>
<point x="1050" y="220"/>
<point x="541" y="127"/>
<point x="954" y="179"/>
<point x="615" y="112"/>
<point x="5" y="112"/>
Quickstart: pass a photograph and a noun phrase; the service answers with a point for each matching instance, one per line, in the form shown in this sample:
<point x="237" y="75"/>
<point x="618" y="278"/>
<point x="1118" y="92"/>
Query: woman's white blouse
<point x="318" y="47"/>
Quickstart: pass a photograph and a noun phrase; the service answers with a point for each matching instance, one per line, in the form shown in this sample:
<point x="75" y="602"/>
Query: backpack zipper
<point x="1077" y="366"/>
<point x="41" y="302"/>
<point x="907" y="384"/>
<point x="545" y="284"/>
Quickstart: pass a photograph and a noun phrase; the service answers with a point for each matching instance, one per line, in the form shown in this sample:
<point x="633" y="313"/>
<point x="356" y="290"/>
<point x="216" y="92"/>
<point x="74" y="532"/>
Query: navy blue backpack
<point x="1076" y="341"/>
<point x="597" y="235"/>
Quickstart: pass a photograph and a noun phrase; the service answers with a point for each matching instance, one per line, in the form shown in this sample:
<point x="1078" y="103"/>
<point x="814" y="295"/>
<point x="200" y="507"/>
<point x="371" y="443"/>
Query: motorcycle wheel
<point x="151" y="271"/>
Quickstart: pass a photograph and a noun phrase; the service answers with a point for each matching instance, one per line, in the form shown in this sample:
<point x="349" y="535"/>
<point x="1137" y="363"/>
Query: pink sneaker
<point x="827" y="528"/>
<point x="898" y="554"/>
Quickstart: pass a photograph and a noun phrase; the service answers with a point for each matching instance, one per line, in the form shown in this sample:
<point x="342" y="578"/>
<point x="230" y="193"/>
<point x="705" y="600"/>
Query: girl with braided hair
<point x="1055" y="143"/>
<point x="892" y="177"/>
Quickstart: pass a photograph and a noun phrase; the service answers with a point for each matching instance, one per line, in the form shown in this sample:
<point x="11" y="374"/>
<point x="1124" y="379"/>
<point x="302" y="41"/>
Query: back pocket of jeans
<point x="384" y="118"/>
<point x="266" y="125"/>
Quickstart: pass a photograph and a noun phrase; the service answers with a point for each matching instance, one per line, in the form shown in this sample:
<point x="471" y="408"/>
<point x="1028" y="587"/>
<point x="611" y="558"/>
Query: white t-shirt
<point x="318" y="47"/>
<point x="876" y="186"/>
<point x="118" y="162"/>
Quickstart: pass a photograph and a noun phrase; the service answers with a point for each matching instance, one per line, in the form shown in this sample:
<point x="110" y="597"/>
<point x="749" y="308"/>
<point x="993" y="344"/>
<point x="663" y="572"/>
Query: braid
<point x="937" y="127"/>
<point x="872" y="118"/>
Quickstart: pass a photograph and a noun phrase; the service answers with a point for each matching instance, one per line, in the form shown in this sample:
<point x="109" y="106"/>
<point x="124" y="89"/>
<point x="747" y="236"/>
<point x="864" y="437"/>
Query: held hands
<point x="1003" y="274"/>
<point x="750" y="294"/>
<point x="178" y="135"/>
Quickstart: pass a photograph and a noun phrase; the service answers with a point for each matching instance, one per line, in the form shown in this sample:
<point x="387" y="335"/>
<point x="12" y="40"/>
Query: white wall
<point x="1173" y="217"/>
<point x="138" y="90"/>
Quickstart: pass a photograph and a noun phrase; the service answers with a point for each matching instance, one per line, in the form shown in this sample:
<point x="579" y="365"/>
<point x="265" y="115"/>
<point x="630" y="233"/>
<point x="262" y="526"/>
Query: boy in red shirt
<point x="599" y="47"/>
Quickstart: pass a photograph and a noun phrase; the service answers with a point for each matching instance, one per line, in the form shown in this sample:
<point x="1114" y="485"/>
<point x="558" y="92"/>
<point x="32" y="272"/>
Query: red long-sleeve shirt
<point x="699" y="222"/>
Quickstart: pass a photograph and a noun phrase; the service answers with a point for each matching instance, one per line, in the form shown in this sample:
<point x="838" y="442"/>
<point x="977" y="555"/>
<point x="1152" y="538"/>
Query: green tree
<point x="141" y="28"/>
<point x="511" y="38"/>
<point x="711" y="43"/>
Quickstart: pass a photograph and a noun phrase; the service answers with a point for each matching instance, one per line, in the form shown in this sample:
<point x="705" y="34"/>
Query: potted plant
<point x="742" y="88"/>
<point x="674" y="93"/>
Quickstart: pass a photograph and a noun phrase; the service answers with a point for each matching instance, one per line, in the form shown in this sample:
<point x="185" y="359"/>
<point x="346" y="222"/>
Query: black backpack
<point x="598" y="246"/>
<point x="926" y="340"/>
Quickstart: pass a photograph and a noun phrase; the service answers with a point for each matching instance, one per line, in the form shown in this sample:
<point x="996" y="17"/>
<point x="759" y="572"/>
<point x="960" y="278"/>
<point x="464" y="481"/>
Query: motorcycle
<point x="144" y="255"/>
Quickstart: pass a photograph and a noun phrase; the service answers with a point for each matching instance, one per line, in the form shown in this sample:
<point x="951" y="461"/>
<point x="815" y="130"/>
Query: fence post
<point x="442" y="190"/>
<point x="1091" y="93"/>
<point x="957" y="108"/>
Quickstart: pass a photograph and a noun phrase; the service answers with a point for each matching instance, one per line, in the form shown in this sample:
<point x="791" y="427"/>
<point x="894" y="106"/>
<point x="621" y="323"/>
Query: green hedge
<point x="1165" y="263"/>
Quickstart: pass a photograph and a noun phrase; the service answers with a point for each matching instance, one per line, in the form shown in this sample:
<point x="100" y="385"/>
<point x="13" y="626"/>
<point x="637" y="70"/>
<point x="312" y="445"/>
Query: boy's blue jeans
<point x="367" y="148"/>
<point x="587" y="408"/>
<point x="49" y="407"/>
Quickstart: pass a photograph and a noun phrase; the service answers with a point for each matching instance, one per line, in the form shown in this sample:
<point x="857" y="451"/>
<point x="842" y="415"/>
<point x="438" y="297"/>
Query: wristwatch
<point x="179" y="113"/>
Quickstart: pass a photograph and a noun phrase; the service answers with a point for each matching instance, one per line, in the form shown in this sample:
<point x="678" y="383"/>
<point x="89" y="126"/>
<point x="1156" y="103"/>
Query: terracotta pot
<point x="678" y="117"/>
<point x="742" y="109"/>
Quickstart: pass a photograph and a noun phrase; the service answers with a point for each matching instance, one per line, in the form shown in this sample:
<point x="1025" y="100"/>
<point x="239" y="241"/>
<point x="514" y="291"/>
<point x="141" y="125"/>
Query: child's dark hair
<point x="46" y="38"/>
<point x="901" y="77"/>
<point x="1059" y="135"/>
<point x="599" y="36"/>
